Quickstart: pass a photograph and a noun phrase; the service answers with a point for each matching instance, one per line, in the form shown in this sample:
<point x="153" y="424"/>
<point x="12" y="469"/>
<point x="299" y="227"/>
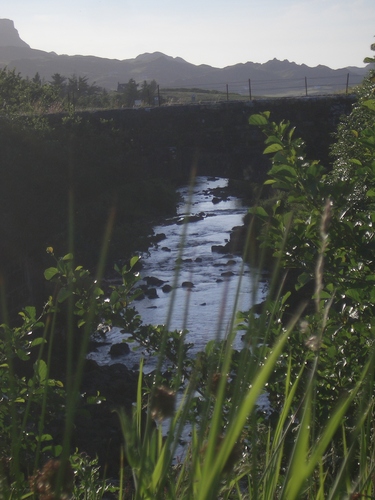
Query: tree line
<point x="62" y="93"/>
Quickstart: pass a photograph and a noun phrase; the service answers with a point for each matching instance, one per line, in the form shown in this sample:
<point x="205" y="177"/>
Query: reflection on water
<point x="206" y="307"/>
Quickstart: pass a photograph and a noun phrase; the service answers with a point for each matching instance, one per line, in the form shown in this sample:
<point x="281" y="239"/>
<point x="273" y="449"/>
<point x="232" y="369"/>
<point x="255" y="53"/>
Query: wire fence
<point x="253" y="88"/>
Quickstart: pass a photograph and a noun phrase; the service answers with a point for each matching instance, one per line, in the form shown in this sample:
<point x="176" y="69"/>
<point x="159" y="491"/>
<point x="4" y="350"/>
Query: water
<point x="206" y="308"/>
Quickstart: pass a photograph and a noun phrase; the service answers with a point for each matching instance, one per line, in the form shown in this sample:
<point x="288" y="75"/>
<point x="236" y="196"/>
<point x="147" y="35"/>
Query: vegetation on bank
<point x="66" y="94"/>
<point x="310" y="346"/>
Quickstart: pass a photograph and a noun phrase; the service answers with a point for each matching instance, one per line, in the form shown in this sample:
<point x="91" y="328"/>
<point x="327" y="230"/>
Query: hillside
<point x="166" y="70"/>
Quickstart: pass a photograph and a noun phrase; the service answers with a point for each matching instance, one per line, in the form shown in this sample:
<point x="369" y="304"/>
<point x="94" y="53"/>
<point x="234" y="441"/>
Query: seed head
<point x="163" y="403"/>
<point x="52" y="484"/>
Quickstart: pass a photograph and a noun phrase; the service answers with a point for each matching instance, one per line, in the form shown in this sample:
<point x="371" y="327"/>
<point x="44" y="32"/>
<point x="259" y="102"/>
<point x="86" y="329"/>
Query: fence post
<point x="227" y="93"/>
<point x="347" y="83"/>
<point x="306" y="86"/>
<point x="250" y="89"/>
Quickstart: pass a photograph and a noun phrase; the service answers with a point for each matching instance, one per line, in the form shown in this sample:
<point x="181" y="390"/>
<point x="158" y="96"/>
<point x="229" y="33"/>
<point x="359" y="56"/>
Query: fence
<point x="251" y="89"/>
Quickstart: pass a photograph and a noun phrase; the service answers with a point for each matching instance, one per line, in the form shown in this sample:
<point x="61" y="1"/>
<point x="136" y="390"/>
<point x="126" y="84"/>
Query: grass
<point x="235" y="452"/>
<point x="228" y="456"/>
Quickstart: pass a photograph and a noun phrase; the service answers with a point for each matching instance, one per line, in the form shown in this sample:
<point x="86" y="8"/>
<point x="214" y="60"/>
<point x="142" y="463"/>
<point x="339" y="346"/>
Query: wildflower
<point x="49" y="250"/>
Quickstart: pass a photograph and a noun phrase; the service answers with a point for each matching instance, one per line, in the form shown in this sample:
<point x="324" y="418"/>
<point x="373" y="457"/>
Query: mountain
<point x="9" y="36"/>
<point x="168" y="71"/>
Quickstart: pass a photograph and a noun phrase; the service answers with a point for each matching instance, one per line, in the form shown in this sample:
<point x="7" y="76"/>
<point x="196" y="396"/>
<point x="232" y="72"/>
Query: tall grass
<point x="232" y="453"/>
<point x="234" y="450"/>
<point x="226" y="458"/>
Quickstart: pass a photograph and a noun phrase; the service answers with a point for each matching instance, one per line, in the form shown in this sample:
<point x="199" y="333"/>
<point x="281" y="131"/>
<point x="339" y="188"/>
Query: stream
<point x="207" y="286"/>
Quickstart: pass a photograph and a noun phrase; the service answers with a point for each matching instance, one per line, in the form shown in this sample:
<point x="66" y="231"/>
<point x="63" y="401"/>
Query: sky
<point x="336" y="33"/>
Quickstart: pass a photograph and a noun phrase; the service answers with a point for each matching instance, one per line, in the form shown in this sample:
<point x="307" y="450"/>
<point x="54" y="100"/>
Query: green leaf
<point x="50" y="273"/>
<point x="98" y="292"/>
<point x="258" y="120"/>
<point x="54" y="383"/>
<point x="370" y="104"/>
<point x="270" y="181"/>
<point x="31" y="311"/>
<point x="280" y="157"/>
<point x="302" y="280"/>
<point x="353" y="294"/>
<point x="38" y="341"/>
<point x="63" y="294"/>
<point x="41" y="370"/>
<point x="115" y="297"/>
<point x="22" y="355"/>
<point x="272" y="139"/>
<point x="44" y="437"/>
<point x="68" y="256"/>
<point x="259" y="211"/>
<point x="284" y="170"/>
<point x="133" y="261"/>
<point x="273" y="148"/>
<point x="57" y="450"/>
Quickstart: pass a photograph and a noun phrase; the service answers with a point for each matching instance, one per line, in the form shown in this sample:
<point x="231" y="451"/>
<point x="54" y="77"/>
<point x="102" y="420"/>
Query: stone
<point x="119" y="350"/>
<point x="231" y="262"/>
<point x="218" y="249"/>
<point x="187" y="284"/>
<point x="151" y="293"/>
<point x="152" y="281"/>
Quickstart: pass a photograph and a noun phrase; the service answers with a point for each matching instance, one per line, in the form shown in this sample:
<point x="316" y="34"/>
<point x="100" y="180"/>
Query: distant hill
<point x="270" y="78"/>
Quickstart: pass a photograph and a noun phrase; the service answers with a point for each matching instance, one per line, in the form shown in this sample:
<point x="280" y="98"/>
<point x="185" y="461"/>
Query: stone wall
<point x="216" y="139"/>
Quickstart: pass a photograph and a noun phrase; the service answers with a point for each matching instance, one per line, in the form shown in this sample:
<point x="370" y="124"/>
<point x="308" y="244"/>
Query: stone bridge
<point x="216" y="139"/>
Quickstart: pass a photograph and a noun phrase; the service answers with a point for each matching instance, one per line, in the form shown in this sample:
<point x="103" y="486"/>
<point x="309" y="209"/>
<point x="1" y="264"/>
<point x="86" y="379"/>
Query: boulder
<point x="119" y="350"/>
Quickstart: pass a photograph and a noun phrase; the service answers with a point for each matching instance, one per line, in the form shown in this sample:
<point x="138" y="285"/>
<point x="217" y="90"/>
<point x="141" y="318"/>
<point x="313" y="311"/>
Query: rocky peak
<point x="9" y="36"/>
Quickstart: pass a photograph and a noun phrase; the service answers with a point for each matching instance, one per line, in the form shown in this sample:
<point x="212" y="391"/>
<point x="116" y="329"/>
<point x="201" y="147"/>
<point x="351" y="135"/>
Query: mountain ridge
<point x="168" y="71"/>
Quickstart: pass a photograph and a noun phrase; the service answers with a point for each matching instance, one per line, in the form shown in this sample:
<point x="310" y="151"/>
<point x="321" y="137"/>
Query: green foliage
<point x="310" y="346"/>
<point x="20" y="95"/>
<point x="130" y="92"/>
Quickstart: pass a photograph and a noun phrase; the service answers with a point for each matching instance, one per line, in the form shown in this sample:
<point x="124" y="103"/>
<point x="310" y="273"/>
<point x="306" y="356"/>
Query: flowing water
<point x="215" y="284"/>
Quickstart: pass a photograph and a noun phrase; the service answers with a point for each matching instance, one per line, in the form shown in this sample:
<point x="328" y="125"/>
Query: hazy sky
<point x="220" y="33"/>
